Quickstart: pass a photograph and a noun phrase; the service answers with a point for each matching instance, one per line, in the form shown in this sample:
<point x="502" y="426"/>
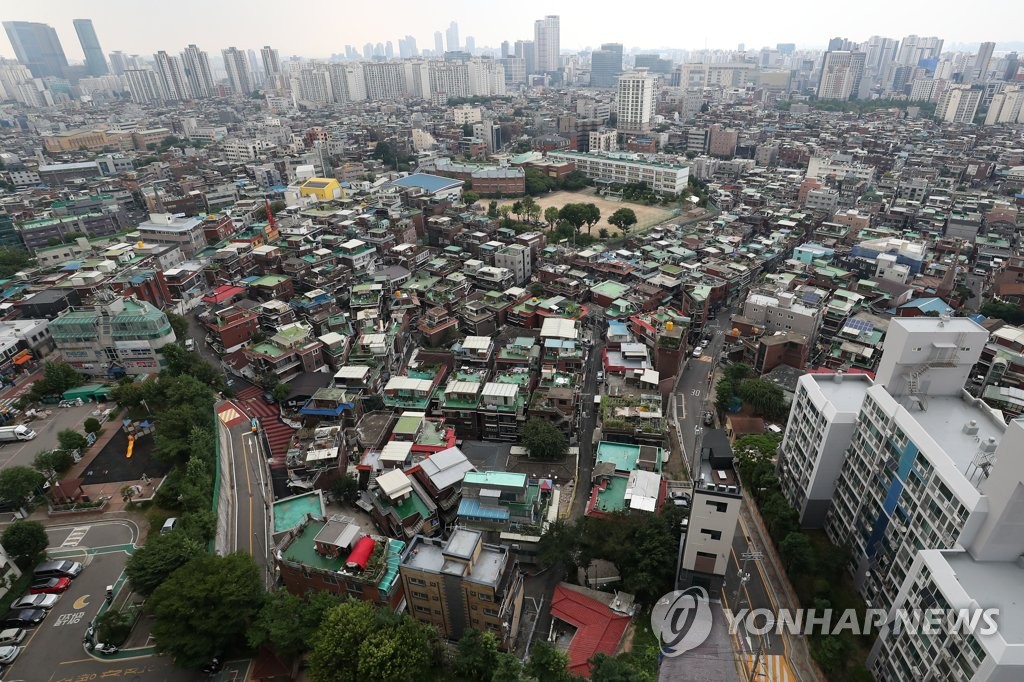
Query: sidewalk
<point x="782" y="592"/>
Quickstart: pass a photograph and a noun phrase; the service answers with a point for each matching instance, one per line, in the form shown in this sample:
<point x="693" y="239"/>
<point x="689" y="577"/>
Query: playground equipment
<point x="131" y="446"/>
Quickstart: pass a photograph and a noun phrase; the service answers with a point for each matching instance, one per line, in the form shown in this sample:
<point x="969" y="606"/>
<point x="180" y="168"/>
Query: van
<point x="57" y="569"/>
<point x="169" y="525"/>
<point x="190" y="345"/>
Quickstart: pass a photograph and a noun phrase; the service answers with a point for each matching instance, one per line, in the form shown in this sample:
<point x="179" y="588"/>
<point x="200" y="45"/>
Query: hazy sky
<point x="319" y="29"/>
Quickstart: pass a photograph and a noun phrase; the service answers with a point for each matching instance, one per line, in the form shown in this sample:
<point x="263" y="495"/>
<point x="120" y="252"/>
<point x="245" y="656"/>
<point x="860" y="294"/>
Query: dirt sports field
<point x="646" y="216"/>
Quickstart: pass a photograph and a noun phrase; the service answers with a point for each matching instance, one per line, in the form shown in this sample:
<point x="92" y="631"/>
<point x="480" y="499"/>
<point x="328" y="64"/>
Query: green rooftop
<point x="610" y="289"/>
<point x="613" y="498"/>
<point x="269" y="281"/>
<point x="508" y="479"/>
<point x="267" y="349"/>
<point x="302" y="551"/>
<point x="291" y="512"/>
<point x="412" y="505"/>
<point x="623" y="455"/>
<point x="408" y="424"/>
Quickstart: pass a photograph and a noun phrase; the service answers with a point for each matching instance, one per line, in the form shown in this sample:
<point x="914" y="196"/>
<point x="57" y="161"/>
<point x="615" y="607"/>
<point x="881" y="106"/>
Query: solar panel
<point x="810" y="297"/>
<point x="859" y="325"/>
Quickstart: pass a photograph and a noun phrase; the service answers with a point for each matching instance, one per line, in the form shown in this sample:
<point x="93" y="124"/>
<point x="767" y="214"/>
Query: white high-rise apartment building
<point x="959" y="103"/>
<point x="448" y="79"/>
<point x="1006" y="107"/>
<point x="144" y="85"/>
<point x="347" y="82"/>
<point x="915" y="48"/>
<point x="313" y="84"/>
<point x="901" y="464"/>
<point x="271" y="61"/>
<point x="841" y="75"/>
<point x="634" y="105"/>
<point x="384" y="80"/>
<point x="546" y="44"/>
<point x="172" y="76"/>
<point x="486" y="78"/>
<point x="983" y="59"/>
<point x="237" y="66"/>
<point x="197" y="71"/>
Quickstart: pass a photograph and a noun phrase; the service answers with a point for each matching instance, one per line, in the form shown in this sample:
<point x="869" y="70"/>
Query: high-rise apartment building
<point x="605" y="65"/>
<point x="546" y="40"/>
<point x="506" y="49"/>
<point x="95" y="62"/>
<point x="959" y="103"/>
<point x="197" y="71"/>
<point x="1007" y="106"/>
<point x="237" y="67"/>
<point x="37" y="47"/>
<point x="407" y="47"/>
<point x="841" y="75"/>
<point x="527" y="51"/>
<point x="902" y="464"/>
<point x="983" y="60"/>
<point x="915" y="49"/>
<point x="172" y="76"/>
<point x="879" y="54"/>
<point x="347" y="82"/>
<point x="438" y="44"/>
<point x="634" y="104"/>
<point x="144" y="85"/>
<point x="452" y="36"/>
<point x="271" y="61"/>
<point x="385" y="80"/>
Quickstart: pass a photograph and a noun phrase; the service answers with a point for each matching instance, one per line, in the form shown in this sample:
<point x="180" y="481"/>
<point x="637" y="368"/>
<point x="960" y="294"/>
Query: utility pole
<point x="757" y="663"/>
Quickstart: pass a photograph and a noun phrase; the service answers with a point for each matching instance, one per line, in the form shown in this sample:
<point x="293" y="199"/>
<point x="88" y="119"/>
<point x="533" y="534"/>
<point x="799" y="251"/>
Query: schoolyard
<point x="646" y="216"/>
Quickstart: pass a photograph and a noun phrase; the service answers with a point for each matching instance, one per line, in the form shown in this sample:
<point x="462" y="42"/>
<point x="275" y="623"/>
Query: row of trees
<point x="814" y="565"/>
<point x="538" y="183"/>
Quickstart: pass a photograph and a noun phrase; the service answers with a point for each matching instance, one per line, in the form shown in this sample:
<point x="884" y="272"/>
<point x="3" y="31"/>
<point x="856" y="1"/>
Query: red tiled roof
<point x="223" y="293"/>
<point x="598" y="629"/>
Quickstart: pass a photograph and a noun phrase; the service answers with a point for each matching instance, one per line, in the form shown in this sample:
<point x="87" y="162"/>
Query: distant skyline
<point x="144" y="28"/>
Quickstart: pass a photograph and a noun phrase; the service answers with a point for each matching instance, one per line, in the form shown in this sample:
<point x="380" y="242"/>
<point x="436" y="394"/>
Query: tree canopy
<point x="25" y="541"/>
<point x="1007" y="312"/>
<point x="205" y="608"/>
<point x="287" y="623"/>
<point x="18" y="483"/>
<point x="162" y="555"/>
<point x="624" y="219"/>
<point x="543" y="440"/>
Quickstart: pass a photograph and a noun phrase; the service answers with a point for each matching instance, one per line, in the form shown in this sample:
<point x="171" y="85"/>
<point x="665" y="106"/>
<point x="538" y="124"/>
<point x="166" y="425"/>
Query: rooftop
<point x="429" y="554"/>
<point x="292" y="511"/>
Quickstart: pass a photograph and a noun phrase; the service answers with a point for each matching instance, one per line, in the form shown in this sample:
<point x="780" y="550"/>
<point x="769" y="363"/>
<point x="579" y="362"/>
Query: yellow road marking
<point x="80" y="603"/>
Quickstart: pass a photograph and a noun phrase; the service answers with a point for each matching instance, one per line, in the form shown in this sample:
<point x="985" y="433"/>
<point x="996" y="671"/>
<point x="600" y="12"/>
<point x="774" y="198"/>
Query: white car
<point x="12" y="636"/>
<point x="8" y="653"/>
<point x="36" y="601"/>
<point x="698" y="351"/>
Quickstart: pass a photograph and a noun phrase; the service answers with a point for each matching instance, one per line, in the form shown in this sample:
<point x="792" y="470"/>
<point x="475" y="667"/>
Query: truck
<point x="19" y="432"/>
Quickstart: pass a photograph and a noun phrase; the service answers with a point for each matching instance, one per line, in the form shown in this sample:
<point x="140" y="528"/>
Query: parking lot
<point x="21" y="453"/>
<point x="54" y="649"/>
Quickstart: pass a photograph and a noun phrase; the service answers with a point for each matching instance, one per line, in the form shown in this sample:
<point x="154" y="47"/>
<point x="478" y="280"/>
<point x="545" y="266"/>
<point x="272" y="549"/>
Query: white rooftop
<point x="351" y="371"/>
<point x="643" y="489"/>
<point x="559" y="328"/>
<point x="477" y="342"/>
<point x="396" y="451"/>
<point x="446" y="467"/>
<point x="493" y="388"/>
<point x="404" y="383"/>
<point x="394" y="483"/>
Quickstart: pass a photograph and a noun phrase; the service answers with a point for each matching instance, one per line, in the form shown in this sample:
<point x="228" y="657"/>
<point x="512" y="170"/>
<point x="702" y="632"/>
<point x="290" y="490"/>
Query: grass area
<point x="16" y="590"/>
<point x="645" y="648"/>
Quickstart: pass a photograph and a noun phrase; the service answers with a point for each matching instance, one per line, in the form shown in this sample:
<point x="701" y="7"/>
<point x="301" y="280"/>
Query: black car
<point x="709" y="419"/>
<point x="23" y="618"/>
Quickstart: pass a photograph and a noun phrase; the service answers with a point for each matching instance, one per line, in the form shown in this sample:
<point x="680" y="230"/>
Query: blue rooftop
<point x="427" y="182"/>
<point x="471" y="507"/>
<point x="617" y="328"/>
<point x="927" y="305"/>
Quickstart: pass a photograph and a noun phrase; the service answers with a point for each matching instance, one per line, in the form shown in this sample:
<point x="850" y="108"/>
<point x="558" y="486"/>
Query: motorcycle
<point x="106" y="648"/>
<point x="213" y="666"/>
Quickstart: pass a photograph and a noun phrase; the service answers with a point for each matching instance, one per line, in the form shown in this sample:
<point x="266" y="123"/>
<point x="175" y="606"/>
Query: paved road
<point x="21" y="453"/>
<point x="693" y="390"/>
<point x="54" y="649"/>
<point x="976" y="283"/>
<point x="245" y="484"/>
<point x="589" y="420"/>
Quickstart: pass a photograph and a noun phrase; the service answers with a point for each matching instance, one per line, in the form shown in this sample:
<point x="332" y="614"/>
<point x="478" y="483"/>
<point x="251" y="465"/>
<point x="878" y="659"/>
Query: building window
<point x="423" y="609"/>
<point x="720" y="507"/>
<point x="416" y="581"/>
<point x="712" y="534"/>
<point x="483" y="597"/>
<point x="420" y="595"/>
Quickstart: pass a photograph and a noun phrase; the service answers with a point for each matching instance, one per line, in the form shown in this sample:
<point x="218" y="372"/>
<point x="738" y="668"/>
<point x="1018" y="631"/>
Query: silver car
<point x="8" y="653"/>
<point x="36" y="601"/>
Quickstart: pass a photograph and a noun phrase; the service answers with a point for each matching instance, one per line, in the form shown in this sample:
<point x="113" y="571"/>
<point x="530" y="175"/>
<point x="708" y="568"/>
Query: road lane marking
<point x="81" y="602"/>
<point x="76" y="535"/>
<point x="248" y="483"/>
<point x="72" y="618"/>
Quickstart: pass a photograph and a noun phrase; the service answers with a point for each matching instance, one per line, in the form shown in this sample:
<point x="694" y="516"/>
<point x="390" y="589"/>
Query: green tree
<point x="467" y="130"/>
<point x="476" y="655"/>
<point x="551" y="216"/>
<point x="92" y="425"/>
<point x="205" y="608"/>
<point x="18" y="483"/>
<point x="548" y="664"/>
<point x="179" y="325"/>
<point x="335" y="653"/>
<point x="603" y="233"/>
<point x="558" y="544"/>
<point x="624" y="219"/>
<point x="780" y="518"/>
<point x="764" y="397"/>
<point x="346" y="489"/>
<point x="13" y="260"/>
<point x="574" y="181"/>
<point x="53" y="463"/>
<point x="574" y="214"/>
<point x="765" y="445"/>
<point x="114" y="626"/>
<point x="606" y="668"/>
<point x="281" y="392"/>
<point x="831" y="652"/>
<point x="507" y="669"/>
<point x="538" y="183"/>
<point x="492" y="209"/>
<point x="402" y="653"/>
<point x="70" y="439"/>
<point x="25" y="541"/>
<point x="531" y="208"/>
<point x="470" y="198"/>
<point x="797" y="554"/>
<point x="517" y="209"/>
<point x="1008" y="312"/>
<point x="591" y="215"/>
<point x="537" y="289"/>
<point x="543" y="440"/>
<point x="287" y="623"/>
<point x="159" y="558"/>
<point x="506" y="220"/>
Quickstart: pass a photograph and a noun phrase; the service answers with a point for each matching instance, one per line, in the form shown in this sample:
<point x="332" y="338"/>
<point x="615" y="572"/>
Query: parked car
<point x="12" y="636"/>
<point x="269" y="398"/>
<point x="57" y="569"/>
<point x="50" y="585"/>
<point x="8" y="654"/>
<point x="709" y="418"/>
<point x="36" y="601"/>
<point x="169" y="525"/>
<point x="190" y="345"/>
<point x="698" y="351"/>
<point x="23" y="618"/>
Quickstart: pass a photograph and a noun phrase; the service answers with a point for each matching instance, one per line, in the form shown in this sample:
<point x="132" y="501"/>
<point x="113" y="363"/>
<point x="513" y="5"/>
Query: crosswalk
<point x="771" y="669"/>
<point x="75" y="537"/>
<point x="6" y="403"/>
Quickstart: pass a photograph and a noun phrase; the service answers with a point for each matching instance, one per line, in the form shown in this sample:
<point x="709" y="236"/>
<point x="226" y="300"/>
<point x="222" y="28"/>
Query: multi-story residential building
<point x="197" y="71"/>
<point x="499" y="501"/>
<point x="113" y="338"/>
<point x="546" y="43"/>
<point x="627" y="168"/>
<point x="634" y="105"/>
<point x="782" y="312"/>
<point x="959" y="103"/>
<point x="173" y="80"/>
<point x="237" y="67"/>
<point x="463" y="583"/>
<point x="914" y="452"/>
<point x="292" y="350"/>
<point x="334" y="555"/>
<point x="516" y="258"/>
<point x="166" y="228"/>
<point x="841" y="75"/>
